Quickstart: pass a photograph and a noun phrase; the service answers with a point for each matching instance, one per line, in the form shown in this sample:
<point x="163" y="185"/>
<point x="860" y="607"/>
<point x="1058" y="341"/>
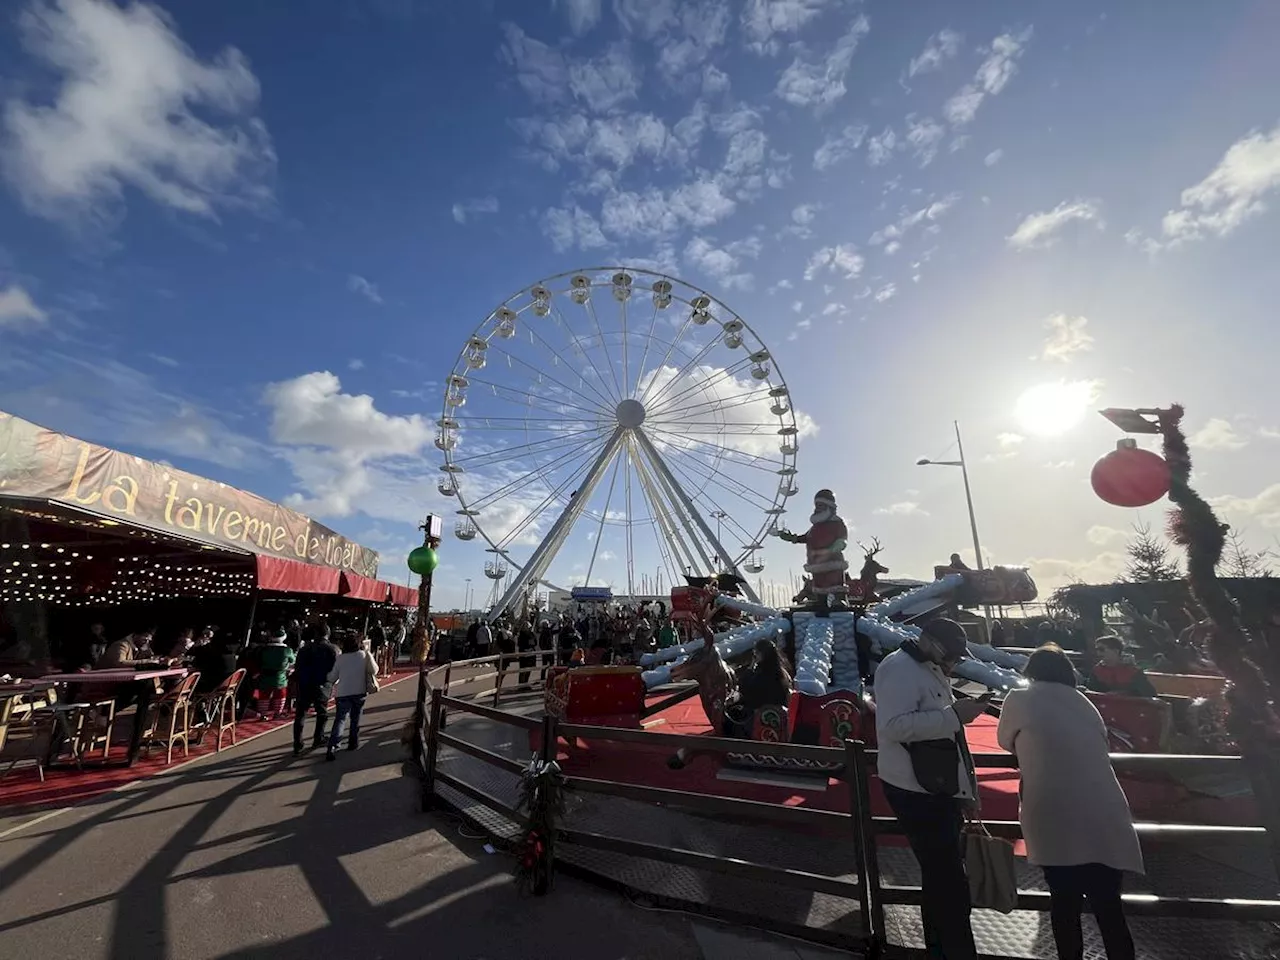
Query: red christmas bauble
<point x="1129" y="476"/>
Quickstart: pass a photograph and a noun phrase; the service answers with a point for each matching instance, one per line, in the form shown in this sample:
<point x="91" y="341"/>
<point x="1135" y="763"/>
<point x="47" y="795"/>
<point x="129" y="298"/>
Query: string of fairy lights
<point x="41" y="573"/>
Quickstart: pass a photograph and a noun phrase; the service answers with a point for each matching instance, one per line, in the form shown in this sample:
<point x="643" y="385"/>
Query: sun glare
<point x="1049" y="409"/>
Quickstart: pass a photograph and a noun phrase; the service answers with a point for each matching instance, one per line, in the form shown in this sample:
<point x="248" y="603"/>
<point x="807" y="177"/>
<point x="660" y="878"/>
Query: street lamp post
<point x="466" y="597"/>
<point x="968" y="496"/>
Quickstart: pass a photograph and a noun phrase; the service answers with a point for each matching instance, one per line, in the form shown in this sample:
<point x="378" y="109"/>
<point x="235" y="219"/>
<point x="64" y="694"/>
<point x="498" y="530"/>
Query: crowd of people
<point x="290" y="668"/>
<point x="598" y="635"/>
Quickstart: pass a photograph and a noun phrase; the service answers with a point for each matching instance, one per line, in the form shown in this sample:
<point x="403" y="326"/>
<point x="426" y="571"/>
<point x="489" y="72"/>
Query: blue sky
<point x="252" y="241"/>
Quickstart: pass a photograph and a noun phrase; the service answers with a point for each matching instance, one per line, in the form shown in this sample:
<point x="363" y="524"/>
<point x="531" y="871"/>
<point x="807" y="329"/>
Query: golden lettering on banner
<point x="38" y="463"/>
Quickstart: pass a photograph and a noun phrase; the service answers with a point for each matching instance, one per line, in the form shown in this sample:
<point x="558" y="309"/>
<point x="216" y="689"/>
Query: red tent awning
<point x="357" y="587"/>
<point x="403" y="596"/>
<point x="290" y="576"/>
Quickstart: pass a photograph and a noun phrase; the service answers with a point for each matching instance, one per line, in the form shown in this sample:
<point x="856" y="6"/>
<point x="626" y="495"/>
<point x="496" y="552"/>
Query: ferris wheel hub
<point x="630" y="414"/>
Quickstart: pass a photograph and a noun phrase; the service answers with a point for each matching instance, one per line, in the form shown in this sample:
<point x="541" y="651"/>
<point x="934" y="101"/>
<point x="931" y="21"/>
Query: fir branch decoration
<point x="1194" y="525"/>
<point x="542" y="794"/>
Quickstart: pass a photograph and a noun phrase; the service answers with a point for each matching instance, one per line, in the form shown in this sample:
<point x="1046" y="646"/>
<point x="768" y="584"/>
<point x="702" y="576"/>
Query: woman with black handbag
<point x="927" y="775"/>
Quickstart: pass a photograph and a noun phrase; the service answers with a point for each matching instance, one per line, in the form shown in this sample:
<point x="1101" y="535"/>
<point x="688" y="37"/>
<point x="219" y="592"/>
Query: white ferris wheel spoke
<point x="595" y="547"/>
<point x="492" y="457"/>
<point x="570" y="481"/>
<point x="540" y="401"/>
<point x="739" y="457"/>
<point x="607" y="403"/>
<point x="669" y="540"/>
<point x="590" y="307"/>
<point x="719" y="373"/>
<point x="582" y="451"/>
<point x="648" y="341"/>
<point x="542" y="374"/>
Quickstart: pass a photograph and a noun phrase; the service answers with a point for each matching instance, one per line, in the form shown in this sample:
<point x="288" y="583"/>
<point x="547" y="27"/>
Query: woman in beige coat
<point x="1075" y="818"/>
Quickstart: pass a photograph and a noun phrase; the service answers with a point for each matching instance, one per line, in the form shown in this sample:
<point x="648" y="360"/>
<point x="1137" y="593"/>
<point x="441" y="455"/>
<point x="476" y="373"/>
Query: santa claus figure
<point x="824" y="542"/>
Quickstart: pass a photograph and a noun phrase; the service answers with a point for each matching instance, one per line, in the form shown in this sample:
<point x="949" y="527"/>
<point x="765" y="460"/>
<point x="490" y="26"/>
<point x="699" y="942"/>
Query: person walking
<point x="354" y="676"/>
<point x="525" y="642"/>
<point x="311" y="671"/>
<point x="928" y="777"/>
<point x="1075" y="818"/>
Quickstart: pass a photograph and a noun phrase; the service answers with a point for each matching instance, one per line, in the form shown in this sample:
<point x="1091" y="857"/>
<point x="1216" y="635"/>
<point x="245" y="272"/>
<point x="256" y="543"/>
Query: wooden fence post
<point x="433" y="750"/>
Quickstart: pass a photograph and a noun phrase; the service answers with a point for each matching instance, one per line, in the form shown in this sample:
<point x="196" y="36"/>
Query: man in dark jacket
<point x="311" y="670"/>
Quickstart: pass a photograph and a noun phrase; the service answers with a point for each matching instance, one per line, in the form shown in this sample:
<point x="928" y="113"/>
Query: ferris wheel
<point x="616" y="427"/>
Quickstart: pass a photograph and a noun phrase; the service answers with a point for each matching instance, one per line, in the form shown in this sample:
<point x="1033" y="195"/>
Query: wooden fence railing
<point x="854" y="763"/>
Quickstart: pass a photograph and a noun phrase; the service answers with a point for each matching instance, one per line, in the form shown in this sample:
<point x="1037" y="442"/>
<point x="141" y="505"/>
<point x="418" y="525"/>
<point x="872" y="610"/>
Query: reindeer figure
<point x="716" y="683"/>
<point x="863" y="589"/>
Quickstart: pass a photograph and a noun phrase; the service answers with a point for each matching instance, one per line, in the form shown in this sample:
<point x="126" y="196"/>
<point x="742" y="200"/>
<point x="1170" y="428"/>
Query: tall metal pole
<point x="973" y="527"/>
<point x="968" y="496"/>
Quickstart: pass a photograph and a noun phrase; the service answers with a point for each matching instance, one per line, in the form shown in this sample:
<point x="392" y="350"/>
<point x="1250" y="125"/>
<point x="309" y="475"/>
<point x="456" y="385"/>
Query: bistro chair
<point x="216" y="710"/>
<point x="170" y="718"/>
<point x="25" y="740"/>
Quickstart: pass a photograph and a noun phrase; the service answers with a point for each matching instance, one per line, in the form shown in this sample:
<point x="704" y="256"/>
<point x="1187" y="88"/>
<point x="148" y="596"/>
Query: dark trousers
<point x="311" y="698"/>
<point x="1068" y="886"/>
<point x="933" y="827"/>
<point x="347" y="706"/>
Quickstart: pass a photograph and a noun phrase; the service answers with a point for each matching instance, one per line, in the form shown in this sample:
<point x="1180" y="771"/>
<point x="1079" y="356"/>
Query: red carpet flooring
<point x="21" y="787"/>
<point x="641" y="764"/>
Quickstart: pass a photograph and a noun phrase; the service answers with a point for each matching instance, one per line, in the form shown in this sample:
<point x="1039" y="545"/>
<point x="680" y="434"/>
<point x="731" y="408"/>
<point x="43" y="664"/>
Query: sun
<point x="1049" y="409"/>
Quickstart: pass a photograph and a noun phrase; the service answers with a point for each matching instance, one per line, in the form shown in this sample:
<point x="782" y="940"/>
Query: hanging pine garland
<point x="1193" y="525"/>
<point x="542" y="794"/>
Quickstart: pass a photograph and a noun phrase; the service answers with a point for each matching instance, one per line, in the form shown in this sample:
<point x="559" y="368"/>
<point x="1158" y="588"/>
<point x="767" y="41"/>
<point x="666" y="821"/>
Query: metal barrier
<point x="855" y="766"/>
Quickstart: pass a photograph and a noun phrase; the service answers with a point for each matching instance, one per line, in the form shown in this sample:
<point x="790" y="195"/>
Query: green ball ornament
<point x="423" y="560"/>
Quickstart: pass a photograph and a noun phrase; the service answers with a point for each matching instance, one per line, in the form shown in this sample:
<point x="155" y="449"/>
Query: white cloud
<point x="359" y="285"/>
<point x="746" y="152"/>
<point x="1051" y="573"/>
<point x="582" y="14"/>
<point x="924" y="135"/>
<point x="1102" y="536"/>
<point x="842" y="258"/>
<point x="569" y="227"/>
<point x="540" y="70"/>
<point x="929" y="215"/>
<point x="993" y="74"/>
<point x="839" y="146"/>
<point x="1041" y="229"/>
<point x="355" y="364"/>
<point x="903" y="508"/>
<point x="1067" y="337"/>
<point x="645" y="18"/>
<point x="765" y="22"/>
<point x="887" y="292"/>
<point x="1263" y="509"/>
<point x="606" y="82"/>
<point x="134" y="108"/>
<point x="940" y="48"/>
<point x="1007" y="440"/>
<point x="723" y="263"/>
<point x="163" y="360"/>
<point x="17" y="309"/>
<point x="1231" y="194"/>
<point x="797" y="306"/>
<point x="820" y="83"/>
<point x="703" y="26"/>
<point x="833" y="308"/>
<point x="1218" y="434"/>
<point x="469" y="208"/>
<point x="994" y="157"/>
<point x="311" y="410"/>
<point x="803" y="215"/>
<point x="880" y="147"/>
<point x="781" y="285"/>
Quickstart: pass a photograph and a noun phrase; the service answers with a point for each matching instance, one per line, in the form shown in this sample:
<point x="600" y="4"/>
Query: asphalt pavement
<point x="255" y="854"/>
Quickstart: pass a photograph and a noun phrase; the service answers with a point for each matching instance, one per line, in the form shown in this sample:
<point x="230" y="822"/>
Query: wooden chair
<point x="26" y="740"/>
<point x="170" y="719"/>
<point x="217" y="709"/>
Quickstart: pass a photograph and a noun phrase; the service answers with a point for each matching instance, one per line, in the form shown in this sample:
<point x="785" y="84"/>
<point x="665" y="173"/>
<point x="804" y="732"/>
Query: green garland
<point x="542" y="794"/>
<point x="1193" y="525"/>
